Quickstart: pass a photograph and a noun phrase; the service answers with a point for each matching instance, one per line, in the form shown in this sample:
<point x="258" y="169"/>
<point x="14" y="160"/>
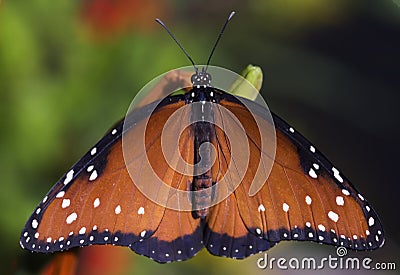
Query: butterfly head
<point x="201" y="79"/>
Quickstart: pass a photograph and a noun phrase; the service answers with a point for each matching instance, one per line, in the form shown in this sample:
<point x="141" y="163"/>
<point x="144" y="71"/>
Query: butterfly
<point x="303" y="195"/>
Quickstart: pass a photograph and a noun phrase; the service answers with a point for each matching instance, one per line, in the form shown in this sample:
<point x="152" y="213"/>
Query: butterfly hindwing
<point x="226" y="234"/>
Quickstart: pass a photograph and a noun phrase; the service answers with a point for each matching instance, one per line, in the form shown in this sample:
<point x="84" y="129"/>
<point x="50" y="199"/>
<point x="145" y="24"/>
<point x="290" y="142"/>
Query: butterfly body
<point x="203" y="131"/>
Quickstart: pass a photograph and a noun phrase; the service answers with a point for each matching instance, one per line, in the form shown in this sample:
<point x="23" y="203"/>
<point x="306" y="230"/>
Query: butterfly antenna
<point x="177" y="42"/>
<point x="219" y="37"/>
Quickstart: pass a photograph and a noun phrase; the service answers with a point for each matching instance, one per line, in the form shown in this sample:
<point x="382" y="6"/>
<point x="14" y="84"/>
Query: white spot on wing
<point x="82" y="230"/>
<point x="60" y="194"/>
<point x="339" y="200"/>
<point x="291" y="129"/>
<point x="65" y="203"/>
<point x="312" y="149"/>
<point x="321" y="227"/>
<point x="141" y="210"/>
<point x="308" y="200"/>
<point x="285" y="207"/>
<point x="336" y="174"/>
<point x="333" y="216"/>
<point x="114" y="131"/>
<point x="34" y="223"/>
<point x="44" y="199"/>
<point x="93" y="175"/>
<point x="371" y="221"/>
<point x="90" y="168"/>
<point x="118" y="209"/>
<point x="143" y="233"/>
<point x="93" y="151"/>
<point x="69" y="177"/>
<point x="96" y="203"/>
<point x="261" y="208"/>
<point x="345" y="192"/>
<point x="71" y="218"/>
<point x="312" y="173"/>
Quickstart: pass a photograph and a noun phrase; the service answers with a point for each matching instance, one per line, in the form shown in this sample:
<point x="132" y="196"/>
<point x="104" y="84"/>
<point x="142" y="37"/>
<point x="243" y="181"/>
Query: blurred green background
<point x="69" y="70"/>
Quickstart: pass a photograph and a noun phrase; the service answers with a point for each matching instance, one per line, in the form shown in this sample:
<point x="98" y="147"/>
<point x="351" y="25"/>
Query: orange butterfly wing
<point x="96" y="202"/>
<point x="304" y="198"/>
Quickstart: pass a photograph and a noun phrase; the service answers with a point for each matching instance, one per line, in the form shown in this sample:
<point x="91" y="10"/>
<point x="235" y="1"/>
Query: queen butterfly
<point x="304" y="198"/>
